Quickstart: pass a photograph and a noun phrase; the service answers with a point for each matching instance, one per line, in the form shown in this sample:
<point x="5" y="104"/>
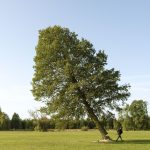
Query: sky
<point x="120" y="27"/>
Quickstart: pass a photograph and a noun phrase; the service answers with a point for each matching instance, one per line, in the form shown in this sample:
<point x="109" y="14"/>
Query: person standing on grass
<point x="119" y="132"/>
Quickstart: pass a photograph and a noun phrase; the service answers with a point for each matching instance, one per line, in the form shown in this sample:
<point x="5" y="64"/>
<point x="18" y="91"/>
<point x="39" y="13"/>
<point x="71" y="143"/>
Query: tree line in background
<point x="131" y="117"/>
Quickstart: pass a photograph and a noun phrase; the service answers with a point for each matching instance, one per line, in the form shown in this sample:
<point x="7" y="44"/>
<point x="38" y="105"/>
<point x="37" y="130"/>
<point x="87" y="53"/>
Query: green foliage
<point x="4" y="121"/>
<point x="61" y="124"/>
<point x="27" y="124"/>
<point x="139" y="114"/>
<point x="16" y="122"/>
<point x="71" y="79"/>
<point x="42" y="124"/>
<point x="135" y="116"/>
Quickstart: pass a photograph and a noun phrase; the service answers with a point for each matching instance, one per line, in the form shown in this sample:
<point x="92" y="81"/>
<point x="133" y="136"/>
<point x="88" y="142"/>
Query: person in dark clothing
<point x="119" y="132"/>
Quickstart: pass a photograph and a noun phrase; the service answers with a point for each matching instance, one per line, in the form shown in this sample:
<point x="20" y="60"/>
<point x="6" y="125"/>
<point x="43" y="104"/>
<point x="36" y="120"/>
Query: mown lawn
<point x="72" y="140"/>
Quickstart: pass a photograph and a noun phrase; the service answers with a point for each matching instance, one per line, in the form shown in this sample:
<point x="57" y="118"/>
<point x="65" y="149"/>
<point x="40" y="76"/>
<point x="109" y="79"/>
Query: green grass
<point x="72" y="140"/>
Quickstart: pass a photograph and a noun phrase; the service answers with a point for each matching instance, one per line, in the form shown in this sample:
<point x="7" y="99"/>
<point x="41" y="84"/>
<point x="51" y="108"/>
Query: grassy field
<point x="72" y="140"/>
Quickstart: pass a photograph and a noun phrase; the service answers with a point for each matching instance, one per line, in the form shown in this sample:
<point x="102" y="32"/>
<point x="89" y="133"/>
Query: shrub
<point x="84" y="128"/>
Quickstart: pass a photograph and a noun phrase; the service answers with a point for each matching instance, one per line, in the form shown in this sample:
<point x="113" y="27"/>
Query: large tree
<point x="71" y="78"/>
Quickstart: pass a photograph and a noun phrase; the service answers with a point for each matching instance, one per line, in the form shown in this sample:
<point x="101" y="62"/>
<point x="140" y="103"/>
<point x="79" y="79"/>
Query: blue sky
<point x="120" y="27"/>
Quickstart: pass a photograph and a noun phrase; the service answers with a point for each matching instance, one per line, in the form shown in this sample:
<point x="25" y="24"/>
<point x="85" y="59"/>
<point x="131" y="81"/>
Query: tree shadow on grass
<point x="142" y="141"/>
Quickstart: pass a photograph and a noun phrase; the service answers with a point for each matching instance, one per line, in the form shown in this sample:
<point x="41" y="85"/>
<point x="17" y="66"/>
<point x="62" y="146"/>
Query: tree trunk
<point x="90" y="111"/>
<point x="96" y="120"/>
<point x="92" y="115"/>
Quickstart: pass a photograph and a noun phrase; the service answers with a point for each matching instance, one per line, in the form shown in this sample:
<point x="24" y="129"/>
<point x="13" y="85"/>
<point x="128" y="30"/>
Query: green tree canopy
<point x="16" y="121"/>
<point x="139" y="114"/>
<point x="4" y="121"/>
<point x="135" y="116"/>
<point x="71" y="78"/>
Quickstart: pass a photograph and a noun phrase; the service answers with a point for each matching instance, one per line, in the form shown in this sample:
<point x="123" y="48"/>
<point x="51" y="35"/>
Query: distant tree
<point x="125" y="118"/>
<point x="117" y="124"/>
<point x="27" y="124"/>
<point x="16" y="122"/>
<point x="128" y="123"/>
<point x="89" y="123"/>
<point x="110" y="117"/>
<point x="71" y="78"/>
<point x="148" y="122"/>
<point x="139" y="114"/>
<point x="61" y="124"/>
<point x="52" y="124"/>
<point x="43" y="124"/>
<point x="40" y="121"/>
<point x="4" y="121"/>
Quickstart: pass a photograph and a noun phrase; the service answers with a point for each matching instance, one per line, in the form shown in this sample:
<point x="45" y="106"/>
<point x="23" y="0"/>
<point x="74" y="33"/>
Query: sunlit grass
<point x="72" y="140"/>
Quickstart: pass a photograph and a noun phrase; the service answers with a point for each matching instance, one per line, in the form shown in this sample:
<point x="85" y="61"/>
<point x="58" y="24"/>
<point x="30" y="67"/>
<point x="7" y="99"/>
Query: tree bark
<point x="100" y="127"/>
<point x="91" y="113"/>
